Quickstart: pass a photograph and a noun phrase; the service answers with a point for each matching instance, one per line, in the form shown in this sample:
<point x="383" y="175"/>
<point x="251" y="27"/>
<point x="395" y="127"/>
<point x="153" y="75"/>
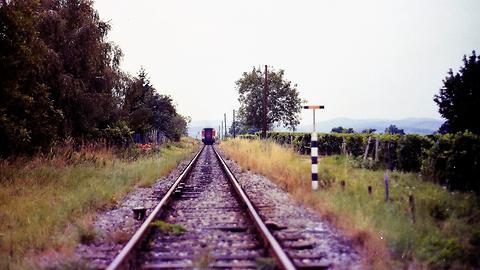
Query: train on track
<point x="208" y="136"/>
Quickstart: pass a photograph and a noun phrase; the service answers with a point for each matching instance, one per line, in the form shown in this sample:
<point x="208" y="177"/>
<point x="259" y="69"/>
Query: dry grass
<point x="48" y="202"/>
<point x="445" y="234"/>
<point x="291" y="172"/>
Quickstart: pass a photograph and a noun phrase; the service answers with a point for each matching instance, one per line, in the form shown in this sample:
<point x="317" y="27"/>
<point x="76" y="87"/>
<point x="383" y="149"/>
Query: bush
<point x="452" y="160"/>
<point x="119" y="135"/>
<point x="410" y="152"/>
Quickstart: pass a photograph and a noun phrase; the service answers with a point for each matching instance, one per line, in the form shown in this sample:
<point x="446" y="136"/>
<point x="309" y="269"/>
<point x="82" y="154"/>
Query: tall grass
<point x="47" y="203"/>
<point x="446" y="232"/>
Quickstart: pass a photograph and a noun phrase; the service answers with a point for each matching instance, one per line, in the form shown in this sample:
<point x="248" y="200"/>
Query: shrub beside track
<point x="452" y="160"/>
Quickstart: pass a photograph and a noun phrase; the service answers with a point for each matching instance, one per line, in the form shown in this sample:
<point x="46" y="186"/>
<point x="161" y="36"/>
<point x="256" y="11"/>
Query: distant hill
<point x="409" y="125"/>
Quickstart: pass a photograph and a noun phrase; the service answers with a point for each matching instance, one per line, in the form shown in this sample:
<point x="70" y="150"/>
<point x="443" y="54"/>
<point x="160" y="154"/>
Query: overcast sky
<point x="361" y="59"/>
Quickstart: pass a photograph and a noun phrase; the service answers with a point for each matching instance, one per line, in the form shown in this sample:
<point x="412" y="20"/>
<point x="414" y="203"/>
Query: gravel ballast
<point x="115" y="226"/>
<point x="295" y="226"/>
<point x="286" y="218"/>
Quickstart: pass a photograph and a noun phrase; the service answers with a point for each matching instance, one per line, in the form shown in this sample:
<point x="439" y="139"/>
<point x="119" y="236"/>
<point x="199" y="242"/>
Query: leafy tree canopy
<point x="368" y="131"/>
<point x="284" y="103"/>
<point x="342" y="130"/>
<point x="147" y="110"/>
<point x="60" y="78"/>
<point x="393" y="129"/>
<point x="27" y="115"/>
<point x="459" y="98"/>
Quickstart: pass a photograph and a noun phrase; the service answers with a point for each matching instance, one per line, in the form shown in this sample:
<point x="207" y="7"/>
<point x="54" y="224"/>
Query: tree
<point x="459" y="98"/>
<point x="83" y="68"/>
<point x="238" y="127"/>
<point x="138" y="103"/>
<point x="145" y="110"/>
<point x="393" y="129"/>
<point x="179" y="129"/>
<point x="341" y="129"/>
<point x="337" y="130"/>
<point x="28" y="119"/>
<point x="284" y="103"/>
<point x="368" y="131"/>
<point x="60" y="77"/>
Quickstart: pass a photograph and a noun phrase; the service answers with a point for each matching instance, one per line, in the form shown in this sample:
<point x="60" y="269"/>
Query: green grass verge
<point x="48" y="204"/>
<point x="446" y="232"/>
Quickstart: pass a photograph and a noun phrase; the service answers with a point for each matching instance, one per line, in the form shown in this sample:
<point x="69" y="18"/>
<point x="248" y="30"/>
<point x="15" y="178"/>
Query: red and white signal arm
<point x="314" y="107"/>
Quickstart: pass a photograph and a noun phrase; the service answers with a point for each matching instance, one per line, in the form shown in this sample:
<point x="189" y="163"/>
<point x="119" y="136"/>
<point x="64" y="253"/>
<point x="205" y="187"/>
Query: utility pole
<point x="233" y="124"/>
<point x="225" y="121"/>
<point x="265" y="101"/>
<point x="219" y="132"/>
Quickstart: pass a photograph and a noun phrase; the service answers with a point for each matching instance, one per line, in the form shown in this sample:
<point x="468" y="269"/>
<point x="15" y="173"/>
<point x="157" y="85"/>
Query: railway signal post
<point x="314" y="147"/>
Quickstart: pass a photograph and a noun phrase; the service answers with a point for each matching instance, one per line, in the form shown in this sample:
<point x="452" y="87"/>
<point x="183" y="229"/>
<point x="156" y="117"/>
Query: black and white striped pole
<point x="314" y="147"/>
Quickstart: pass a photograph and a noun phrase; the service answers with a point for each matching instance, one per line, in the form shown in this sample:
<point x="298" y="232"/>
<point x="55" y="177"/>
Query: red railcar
<point x="208" y="136"/>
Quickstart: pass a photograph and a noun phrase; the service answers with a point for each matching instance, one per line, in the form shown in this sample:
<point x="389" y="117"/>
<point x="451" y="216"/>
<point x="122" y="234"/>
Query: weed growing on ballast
<point x="169" y="228"/>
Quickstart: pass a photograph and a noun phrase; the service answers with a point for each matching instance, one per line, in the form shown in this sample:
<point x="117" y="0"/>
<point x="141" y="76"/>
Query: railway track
<point x="206" y="220"/>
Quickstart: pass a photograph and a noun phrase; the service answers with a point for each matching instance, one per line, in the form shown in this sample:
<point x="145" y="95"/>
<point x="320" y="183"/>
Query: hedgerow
<point x="452" y="160"/>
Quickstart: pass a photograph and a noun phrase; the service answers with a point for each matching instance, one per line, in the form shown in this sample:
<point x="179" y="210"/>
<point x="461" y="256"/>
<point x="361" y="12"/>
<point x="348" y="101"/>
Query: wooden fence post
<point x="411" y="202"/>
<point x="344" y="146"/>
<point x="387" y="191"/>
<point x="366" y="149"/>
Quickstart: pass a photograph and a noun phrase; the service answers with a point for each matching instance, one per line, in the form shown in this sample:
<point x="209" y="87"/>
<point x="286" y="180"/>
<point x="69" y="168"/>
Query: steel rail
<point x="122" y="259"/>
<point x="269" y="240"/>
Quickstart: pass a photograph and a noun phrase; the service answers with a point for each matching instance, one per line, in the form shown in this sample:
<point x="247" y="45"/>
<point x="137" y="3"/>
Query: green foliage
<point x="146" y="110"/>
<point x="168" y="228"/>
<point x="355" y="145"/>
<point x="60" y="78"/>
<point x="368" y="131"/>
<point x="284" y="103"/>
<point x="83" y="68"/>
<point x="452" y="160"/>
<point x="341" y="129"/>
<point x="440" y="252"/>
<point x="410" y="152"/>
<point x="393" y="129"/>
<point x="266" y="263"/>
<point x="45" y="202"/>
<point x="28" y="118"/>
<point x="459" y="98"/>
<point x="444" y="235"/>
<point x="120" y="134"/>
